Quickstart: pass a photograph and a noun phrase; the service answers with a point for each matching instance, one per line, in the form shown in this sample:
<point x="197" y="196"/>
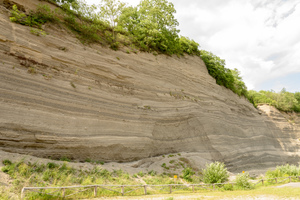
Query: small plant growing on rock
<point x="6" y="162"/>
<point x="73" y="85"/>
<point x="38" y="32"/>
<point x="17" y="16"/>
<point x="31" y="70"/>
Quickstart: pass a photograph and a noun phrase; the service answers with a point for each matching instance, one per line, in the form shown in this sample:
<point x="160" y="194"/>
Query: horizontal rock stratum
<point x="60" y="98"/>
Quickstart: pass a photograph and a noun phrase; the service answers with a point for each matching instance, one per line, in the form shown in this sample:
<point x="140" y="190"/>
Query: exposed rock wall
<point x="59" y="97"/>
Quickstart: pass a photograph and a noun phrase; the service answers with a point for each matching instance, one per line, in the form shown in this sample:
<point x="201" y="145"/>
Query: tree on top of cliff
<point x="283" y="100"/>
<point x="153" y="25"/>
<point x="228" y="78"/>
<point x="111" y="11"/>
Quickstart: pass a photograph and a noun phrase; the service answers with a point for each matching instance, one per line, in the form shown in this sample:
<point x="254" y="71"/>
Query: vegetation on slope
<point x="228" y="78"/>
<point x="150" y="26"/>
<point x="283" y="100"/>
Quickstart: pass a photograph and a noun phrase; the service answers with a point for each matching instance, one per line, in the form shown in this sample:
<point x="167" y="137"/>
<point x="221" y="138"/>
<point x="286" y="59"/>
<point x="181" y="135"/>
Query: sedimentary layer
<point x="61" y="98"/>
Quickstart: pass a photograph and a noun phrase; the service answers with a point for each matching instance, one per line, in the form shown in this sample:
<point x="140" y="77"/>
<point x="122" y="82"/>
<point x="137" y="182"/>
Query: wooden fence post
<point x="64" y="192"/>
<point x="290" y="179"/>
<point x="276" y="180"/>
<point x="213" y="186"/>
<point x="122" y="190"/>
<point x="193" y="188"/>
<point x="95" y="191"/>
<point x="145" y="189"/>
<point x="262" y="181"/>
<point x="23" y="193"/>
<point x="170" y="189"/>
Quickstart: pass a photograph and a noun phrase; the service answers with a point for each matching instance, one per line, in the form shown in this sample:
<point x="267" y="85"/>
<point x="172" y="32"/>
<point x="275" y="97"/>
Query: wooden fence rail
<point x="171" y="187"/>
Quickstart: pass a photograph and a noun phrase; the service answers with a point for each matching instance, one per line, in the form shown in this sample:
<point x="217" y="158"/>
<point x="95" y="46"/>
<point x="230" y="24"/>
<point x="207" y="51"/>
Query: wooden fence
<point x="120" y="189"/>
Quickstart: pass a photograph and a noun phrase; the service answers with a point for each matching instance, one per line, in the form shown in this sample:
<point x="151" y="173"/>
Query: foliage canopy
<point x="228" y="78"/>
<point x="283" y="100"/>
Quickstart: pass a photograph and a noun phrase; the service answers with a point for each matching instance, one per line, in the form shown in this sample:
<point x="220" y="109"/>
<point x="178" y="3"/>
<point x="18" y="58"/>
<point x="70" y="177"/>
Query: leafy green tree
<point x="154" y="28"/>
<point x="111" y="11"/>
<point x="129" y="19"/>
<point x="239" y="85"/>
<point x="283" y="100"/>
<point x="228" y="78"/>
<point x="85" y="11"/>
<point x="216" y="68"/>
<point x="189" y="46"/>
<point x="286" y="100"/>
<point x="296" y="106"/>
<point x="153" y="25"/>
<point x="158" y="24"/>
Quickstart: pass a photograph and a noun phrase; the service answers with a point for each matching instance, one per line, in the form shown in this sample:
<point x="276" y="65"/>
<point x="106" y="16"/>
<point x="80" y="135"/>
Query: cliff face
<point x="62" y="98"/>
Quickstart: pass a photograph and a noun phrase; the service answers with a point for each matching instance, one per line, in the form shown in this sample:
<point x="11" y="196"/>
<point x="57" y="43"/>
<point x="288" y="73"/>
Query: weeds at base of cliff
<point x="54" y="174"/>
<point x="5" y="193"/>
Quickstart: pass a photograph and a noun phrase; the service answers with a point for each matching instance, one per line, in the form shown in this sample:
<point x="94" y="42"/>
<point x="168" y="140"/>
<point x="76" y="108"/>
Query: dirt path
<point x="290" y="185"/>
<point x="200" y="197"/>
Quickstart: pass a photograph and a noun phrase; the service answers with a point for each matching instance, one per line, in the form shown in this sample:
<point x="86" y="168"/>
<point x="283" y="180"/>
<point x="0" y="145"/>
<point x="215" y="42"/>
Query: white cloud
<point x="260" y="38"/>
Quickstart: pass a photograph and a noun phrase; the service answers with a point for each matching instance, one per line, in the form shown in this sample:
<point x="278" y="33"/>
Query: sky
<point x="261" y="38"/>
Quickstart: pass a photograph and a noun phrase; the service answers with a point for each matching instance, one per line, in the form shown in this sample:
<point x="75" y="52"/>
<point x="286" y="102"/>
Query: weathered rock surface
<point x="59" y="98"/>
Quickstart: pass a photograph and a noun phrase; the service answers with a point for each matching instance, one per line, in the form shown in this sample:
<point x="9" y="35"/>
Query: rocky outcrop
<point x="62" y="98"/>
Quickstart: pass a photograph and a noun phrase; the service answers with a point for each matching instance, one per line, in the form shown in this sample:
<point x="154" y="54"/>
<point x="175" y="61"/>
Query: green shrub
<point x="17" y="16"/>
<point x="189" y="46"/>
<point x="228" y="187"/>
<point x="42" y="15"/>
<point x="242" y="181"/>
<point x="152" y="173"/>
<point x="187" y="174"/>
<point x="141" y="174"/>
<point x="37" y="32"/>
<point x="6" y="162"/>
<point x="215" y="173"/>
<point x="283" y="171"/>
<point x="290" y="170"/>
<point x="52" y="165"/>
<point x="283" y="100"/>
